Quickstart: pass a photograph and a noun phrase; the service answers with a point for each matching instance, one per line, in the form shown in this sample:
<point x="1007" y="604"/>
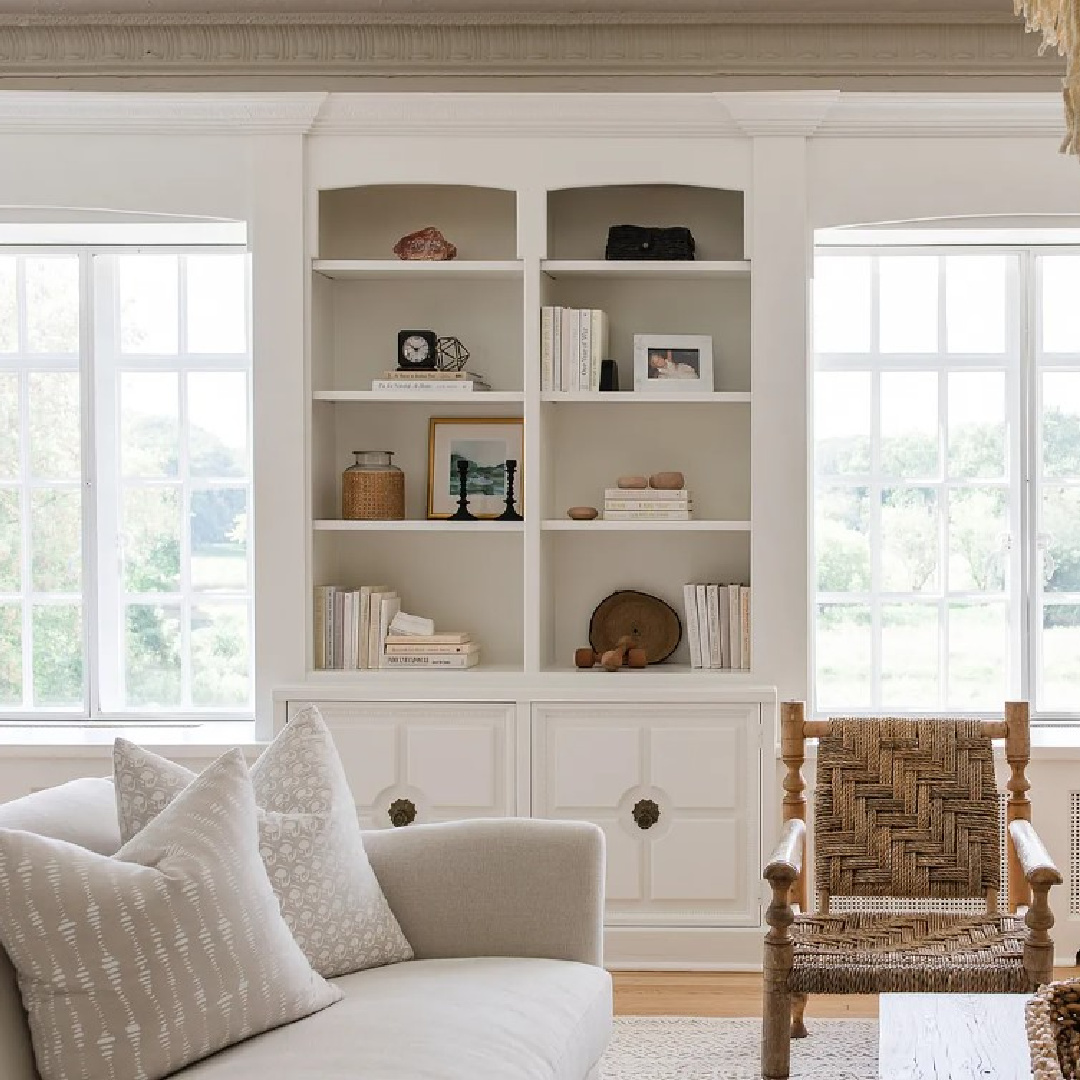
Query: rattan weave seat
<point x="866" y="953"/>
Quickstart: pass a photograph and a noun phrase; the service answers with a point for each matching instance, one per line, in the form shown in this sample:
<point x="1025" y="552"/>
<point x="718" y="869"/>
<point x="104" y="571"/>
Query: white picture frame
<point x="673" y="363"/>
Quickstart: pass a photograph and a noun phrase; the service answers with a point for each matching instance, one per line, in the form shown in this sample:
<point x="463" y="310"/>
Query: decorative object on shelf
<point x="633" y="483"/>
<point x="451" y="354"/>
<point x="1057" y="22"/>
<point x="573" y="344"/>
<point x="665" y="363"/>
<point x="401" y="812"/>
<point x="625" y="654"/>
<point x="484" y="445"/>
<point x="651" y="503"/>
<point x="411" y="625"/>
<point x="428" y="380"/>
<point x="462" y="513"/>
<point x="653" y="624"/>
<point x="373" y="488"/>
<point x="426" y="244"/>
<point x="417" y="350"/>
<point x="646" y="813"/>
<point x="1052" y="1019"/>
<point x="667" y="481"/>
<point x="510" y="514"/>
<point x="649" y="242"/>
<point x="609" y="375"/>
<point x="582" y="513"/>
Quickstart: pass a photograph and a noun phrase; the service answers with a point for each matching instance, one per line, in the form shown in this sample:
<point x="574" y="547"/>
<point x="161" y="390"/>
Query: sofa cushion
<point x="81" y="812"/>
<point x="491" y="1018"/>
<point x="134" y="965"/>
<point x="309" y="837"/>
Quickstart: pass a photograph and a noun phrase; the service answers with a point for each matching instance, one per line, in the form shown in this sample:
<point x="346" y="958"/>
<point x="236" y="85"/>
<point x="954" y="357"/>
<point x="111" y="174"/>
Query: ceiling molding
<point x="175" y="113"/>
<point x="520" y="45"/>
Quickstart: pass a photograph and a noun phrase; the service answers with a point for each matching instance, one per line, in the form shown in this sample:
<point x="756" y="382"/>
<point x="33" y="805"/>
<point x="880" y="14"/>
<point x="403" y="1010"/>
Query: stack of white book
<point x="647" y="504"/>
<point x="351" y="626"/>
<point x="718" y="625"/>
<point x="443" y="382"/>
<point x="573" y="342"/>
<point x="451" y="649"/>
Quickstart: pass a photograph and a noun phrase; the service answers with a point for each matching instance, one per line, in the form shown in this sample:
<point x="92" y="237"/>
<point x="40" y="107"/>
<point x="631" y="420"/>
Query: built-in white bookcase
<point x="527" y="590"/>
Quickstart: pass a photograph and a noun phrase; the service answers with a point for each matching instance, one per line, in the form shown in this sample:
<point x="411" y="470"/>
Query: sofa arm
<point x="506" y="887"/>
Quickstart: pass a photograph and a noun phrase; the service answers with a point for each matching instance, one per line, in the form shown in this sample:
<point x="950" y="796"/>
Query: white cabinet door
<point x="414" y="761"/>
<point x="675" y="789"/>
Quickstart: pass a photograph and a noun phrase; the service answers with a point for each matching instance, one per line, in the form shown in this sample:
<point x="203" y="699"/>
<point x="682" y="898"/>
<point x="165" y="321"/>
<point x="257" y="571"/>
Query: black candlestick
<point x="463" y="496"/>
<point x="510" y="514"/>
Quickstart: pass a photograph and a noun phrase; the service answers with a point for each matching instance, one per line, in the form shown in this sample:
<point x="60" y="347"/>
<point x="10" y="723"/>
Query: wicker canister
<point x="373" y="488"/>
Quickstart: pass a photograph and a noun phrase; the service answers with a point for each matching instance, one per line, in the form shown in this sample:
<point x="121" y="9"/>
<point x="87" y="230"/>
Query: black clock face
<point x="417" y="349"/>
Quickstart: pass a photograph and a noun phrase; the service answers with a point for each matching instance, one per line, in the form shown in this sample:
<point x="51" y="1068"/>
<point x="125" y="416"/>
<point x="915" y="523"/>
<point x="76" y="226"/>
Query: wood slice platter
<point x="653" y="624"/>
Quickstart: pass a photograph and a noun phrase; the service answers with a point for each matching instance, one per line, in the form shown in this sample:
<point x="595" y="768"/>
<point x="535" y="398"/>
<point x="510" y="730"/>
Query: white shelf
<point x="477" y="397"/>
<point x="633" y="397"/>
<point x="645" y="268"/>
<point x="337" y="676"/>
<point x="418" y="525"/>
<point x="653" y="671"/>
<point x="600" y="525"/>
<point x="383" y="269"/>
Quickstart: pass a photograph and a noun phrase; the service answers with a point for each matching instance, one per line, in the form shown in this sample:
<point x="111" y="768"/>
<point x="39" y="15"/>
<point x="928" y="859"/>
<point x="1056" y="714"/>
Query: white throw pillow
<point x="135" y="965"/>
<point x="309" y="837"/>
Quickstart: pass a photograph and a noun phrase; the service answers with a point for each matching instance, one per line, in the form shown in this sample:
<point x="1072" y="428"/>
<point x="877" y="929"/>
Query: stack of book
<point x="463" y="382"/>
<point x="453" y="649"/>
<point x="718" y="625"/>
<point x="573" y="343"/>
<point x="647" y="504"/>
<point x="351" y="626"/>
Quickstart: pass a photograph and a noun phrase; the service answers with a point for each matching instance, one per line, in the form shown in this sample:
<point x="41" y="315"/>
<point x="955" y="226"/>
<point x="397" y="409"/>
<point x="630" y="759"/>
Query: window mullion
<point x="1029" y="602"/>
<point x="91" y="651"/>
<point x="184" y="469"/>
<point x="875" y="486"/>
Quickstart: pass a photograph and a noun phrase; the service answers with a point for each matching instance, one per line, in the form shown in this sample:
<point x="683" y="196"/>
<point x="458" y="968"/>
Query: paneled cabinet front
<point x="417" y="761"/>
<point x="676" y="790"/>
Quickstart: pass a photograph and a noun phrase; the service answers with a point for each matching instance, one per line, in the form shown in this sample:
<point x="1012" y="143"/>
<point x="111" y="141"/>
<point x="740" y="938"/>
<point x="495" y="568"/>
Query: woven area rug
<point x="708" y="1048"/>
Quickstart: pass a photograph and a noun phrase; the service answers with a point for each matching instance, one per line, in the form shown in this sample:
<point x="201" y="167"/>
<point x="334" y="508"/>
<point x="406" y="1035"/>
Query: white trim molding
<point x="581" y="45"/>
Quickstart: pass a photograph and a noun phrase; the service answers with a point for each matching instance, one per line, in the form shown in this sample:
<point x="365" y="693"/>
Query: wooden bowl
<point x="582" y="513"/>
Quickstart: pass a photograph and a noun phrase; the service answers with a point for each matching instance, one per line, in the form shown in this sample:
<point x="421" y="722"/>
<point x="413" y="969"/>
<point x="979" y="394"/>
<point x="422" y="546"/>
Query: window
<point x="946" y="547"/>
<point x="125" y="482"/>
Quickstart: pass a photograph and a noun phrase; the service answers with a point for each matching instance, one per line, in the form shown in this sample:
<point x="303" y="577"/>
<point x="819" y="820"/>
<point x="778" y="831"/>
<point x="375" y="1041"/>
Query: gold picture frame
<point x="489" y="442"/>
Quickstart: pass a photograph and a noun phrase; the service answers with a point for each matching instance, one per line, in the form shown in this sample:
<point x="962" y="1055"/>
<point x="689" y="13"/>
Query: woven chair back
<point x="906" y="808"/>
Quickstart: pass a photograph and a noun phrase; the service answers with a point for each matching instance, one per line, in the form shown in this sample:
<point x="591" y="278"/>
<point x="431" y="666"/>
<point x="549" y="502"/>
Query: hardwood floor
<point x="701" y="993"/>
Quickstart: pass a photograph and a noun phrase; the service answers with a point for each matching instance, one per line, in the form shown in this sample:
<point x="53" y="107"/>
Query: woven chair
<point x="905" y="815"/>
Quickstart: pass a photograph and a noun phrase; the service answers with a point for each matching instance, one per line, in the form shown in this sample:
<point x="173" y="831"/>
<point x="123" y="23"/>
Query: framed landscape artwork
<point x="486" y="443"/>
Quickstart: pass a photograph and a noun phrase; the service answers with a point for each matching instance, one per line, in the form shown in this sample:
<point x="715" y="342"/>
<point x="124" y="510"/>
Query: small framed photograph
<point x="486" y="444"/>
<point x="664" y="363"/>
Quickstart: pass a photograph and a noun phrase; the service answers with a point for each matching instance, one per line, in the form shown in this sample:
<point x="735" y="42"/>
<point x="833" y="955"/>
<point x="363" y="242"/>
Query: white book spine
<point x="657" y="494"/>
<point x="390" y="606"/>
<point x="598" y="347"/>
<point x="744" y="618"/>
<point x="725" y="628"/>
<point x="363" y="629"/>
<point x="585" y="349"/>
<point x="690" y="603"/>
<point x="443" y="660"/>
<point x="647" y="515"/>
<point x="421" y="650"/>
<point x="428" y="386"/>
<point x="712" y="602"/>
<point x="567" y="348"/>
<point x="703" y="623"/>
<point x="546" y="322"/>
<point x="734" y="627"/>
<point x="665" y="505"/>
<point x="349" y="630"/>
<point x="557" y="349"/>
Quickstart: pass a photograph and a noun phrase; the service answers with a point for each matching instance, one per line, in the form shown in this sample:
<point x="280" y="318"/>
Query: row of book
<point x="647" y="504"/>
<point x="573" y="344"/>
<point x="463" y="382"/>
<point x="718" y="625"/>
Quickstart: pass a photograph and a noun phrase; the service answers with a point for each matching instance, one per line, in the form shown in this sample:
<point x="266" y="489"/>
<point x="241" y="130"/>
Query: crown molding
<point x="520" y="45"/>
<point x="150" y="113"/>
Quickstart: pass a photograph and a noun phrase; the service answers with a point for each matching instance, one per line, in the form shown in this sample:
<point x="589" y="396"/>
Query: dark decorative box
<point x="649" y="242"/>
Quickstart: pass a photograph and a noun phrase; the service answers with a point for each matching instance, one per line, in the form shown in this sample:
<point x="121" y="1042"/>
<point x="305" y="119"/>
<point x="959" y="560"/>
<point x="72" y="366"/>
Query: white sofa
<point x="505" y="918"/>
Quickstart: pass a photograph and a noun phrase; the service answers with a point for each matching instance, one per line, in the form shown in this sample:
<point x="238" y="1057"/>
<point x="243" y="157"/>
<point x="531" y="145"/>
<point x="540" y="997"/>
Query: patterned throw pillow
<point x="134" y="965"/>
<point x="309" y="838"/>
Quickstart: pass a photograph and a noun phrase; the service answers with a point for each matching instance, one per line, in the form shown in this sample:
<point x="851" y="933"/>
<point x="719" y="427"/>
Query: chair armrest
<point x="785" y="863"/>
<point x="1038" y="867"/>
<point x="506" y="887"/>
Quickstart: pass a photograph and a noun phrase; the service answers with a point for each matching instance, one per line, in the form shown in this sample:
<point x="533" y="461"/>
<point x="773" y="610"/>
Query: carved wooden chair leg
<point x="798" y="1010"/>
<point x="776" y="1006"/>
<point x="776" y="1033"/>
<point x="1039" y="946"/>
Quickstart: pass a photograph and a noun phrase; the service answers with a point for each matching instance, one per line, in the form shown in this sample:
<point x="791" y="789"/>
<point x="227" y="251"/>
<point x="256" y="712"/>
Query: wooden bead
<point x="582" y="513"/>
<point x="667" y="481"/>
<point x="633" y="483"/>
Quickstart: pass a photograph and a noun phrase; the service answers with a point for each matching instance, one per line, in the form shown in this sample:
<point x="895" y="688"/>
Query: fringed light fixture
<point x="1059" y="23"/>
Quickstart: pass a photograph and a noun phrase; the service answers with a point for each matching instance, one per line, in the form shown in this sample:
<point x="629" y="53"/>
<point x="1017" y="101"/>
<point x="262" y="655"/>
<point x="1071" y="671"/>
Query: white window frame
<point x="102" y="600"/>
<point x="1023" y="363"/>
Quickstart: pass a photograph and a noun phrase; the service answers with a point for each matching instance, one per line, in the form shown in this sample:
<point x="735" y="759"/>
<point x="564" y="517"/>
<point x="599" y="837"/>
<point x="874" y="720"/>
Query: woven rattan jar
<point x="373" y="488"/>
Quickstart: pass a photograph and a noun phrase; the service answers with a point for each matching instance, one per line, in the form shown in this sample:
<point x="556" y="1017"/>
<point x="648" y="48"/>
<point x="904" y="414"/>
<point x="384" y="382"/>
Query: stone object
<point x="582" y="513"/>
<point x="667" y="481"/>
<point x="427" y="243"/>
<point x="633" y="483"/>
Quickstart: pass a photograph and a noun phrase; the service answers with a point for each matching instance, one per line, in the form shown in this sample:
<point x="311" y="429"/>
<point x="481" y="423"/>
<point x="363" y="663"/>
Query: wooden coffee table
<point x="953" y="1037"/>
